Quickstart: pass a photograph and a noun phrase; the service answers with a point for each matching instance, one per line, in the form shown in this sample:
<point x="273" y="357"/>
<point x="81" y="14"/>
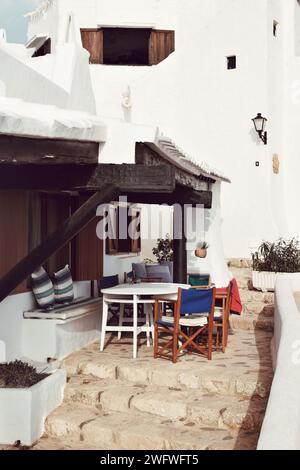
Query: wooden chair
<point x="105" y="283"/>
<point x="193" y="315"/>
<point x="221" y="316"/>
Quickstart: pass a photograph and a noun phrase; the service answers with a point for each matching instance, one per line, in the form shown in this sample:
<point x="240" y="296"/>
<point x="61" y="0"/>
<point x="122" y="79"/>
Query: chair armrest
<point x="164" y="299"/>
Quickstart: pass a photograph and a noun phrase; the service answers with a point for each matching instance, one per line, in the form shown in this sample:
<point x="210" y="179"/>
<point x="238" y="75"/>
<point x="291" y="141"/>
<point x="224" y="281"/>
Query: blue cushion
<point x="42" y="288"/>
<point x="139" y="270"/>
<point x="196" y="301"/>
<point x="158" y="271"/>
<point x="170" y="265"/>
<point x="109" y="281"/>
<point x="63" y="286"/>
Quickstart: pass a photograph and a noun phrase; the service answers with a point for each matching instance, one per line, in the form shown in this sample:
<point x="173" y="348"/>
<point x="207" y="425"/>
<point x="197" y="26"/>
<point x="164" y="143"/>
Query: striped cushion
<point x="42" y="288"/>
<point x="63" y="286"/>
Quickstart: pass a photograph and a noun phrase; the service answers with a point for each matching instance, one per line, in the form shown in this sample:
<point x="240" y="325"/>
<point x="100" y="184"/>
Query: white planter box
<point x="23" y="411"/>
<point x="265" y="281"/>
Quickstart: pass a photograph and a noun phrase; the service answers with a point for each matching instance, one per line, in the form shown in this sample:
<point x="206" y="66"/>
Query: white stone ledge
<point x="281" y="426"/>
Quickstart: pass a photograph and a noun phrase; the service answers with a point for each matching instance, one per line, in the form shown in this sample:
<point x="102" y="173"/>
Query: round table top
<point x="145" y="288"/>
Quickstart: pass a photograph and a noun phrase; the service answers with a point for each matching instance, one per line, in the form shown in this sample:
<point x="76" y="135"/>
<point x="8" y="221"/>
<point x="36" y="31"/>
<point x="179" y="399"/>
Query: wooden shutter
<point x="92" y="41"/>
<point x="88" y="252"/>
<point x="135" y="224"/>
<point x="55" y="211"/>
<point x="13" y="231"/>
<point x="162" y="44"/>
<point x="130" y="244"/>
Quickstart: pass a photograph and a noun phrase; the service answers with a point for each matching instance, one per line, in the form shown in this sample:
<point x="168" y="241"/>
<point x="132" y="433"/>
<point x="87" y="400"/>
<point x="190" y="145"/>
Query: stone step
<point x="255" y="296"/>
<point x="251" y="323"/>
<point x="123" y="431"/>
<point x="212" y="410"/>
<point x="235" y="373"/>
<point x="258" y="308"/>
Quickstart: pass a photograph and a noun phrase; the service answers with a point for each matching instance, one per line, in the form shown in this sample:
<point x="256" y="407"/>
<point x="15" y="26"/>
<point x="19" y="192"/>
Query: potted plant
<point x="27" y="397"/>
<point x="273" y="259"/>
<point x="164" y="252"/>
<point x="201" y="250"/>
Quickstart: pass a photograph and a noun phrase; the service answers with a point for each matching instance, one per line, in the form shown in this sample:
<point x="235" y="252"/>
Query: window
<point x="129" y="241"/>
<point x="47" y="213"/>
<point x="275" y="28"/>
<point x="44" y="49"/>
<point x="231" y="62"/>
<point x="128" y="46"/>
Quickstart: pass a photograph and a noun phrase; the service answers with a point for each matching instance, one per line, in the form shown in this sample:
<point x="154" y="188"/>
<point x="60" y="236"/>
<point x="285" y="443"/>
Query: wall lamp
<point x="260" y="125"/>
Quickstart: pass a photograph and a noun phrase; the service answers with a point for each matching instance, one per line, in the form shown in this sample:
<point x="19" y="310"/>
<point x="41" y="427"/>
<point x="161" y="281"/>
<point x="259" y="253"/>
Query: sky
<point x="11" y="17"/>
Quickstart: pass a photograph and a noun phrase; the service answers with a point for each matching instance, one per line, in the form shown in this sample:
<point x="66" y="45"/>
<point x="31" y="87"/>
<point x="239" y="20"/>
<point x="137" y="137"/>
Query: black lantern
<point x="260" y="125"/>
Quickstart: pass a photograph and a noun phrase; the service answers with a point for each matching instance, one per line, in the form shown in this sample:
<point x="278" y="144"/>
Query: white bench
<point x="55" y="334"/>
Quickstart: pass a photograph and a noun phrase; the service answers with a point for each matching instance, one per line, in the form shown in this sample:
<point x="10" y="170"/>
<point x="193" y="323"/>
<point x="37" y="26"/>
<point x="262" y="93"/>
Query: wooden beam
<point x="179" y="196"/>
<point x="128" y="177"/>
<point x="179" y="247"/>
<point x="56" y="241"/>
<point x="145" y="155"/>
<point x="22" y="150"/>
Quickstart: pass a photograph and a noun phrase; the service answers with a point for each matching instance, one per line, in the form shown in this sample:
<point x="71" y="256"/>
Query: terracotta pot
<point x="201" y="252"/>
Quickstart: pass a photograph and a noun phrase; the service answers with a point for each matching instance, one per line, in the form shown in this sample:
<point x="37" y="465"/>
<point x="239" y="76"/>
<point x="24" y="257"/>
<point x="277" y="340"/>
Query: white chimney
<point x="2" y="36"/>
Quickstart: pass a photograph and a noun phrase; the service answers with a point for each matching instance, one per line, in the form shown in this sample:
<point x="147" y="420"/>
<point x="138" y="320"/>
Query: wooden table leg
<point x="104" y="323"/>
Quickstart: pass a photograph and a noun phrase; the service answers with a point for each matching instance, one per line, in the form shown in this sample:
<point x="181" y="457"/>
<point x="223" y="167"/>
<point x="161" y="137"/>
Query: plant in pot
<point x="272" y="259"/>
<point x="164" y="252"/>
<point x="201" y="250"/>
<point x="27" y="397"/>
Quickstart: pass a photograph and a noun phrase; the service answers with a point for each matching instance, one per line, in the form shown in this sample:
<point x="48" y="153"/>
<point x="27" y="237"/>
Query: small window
<point x="231" y="62"/>
<point x="275" y="28"/>
<point x="44" y="49"/>
<point x="129" y="241"/>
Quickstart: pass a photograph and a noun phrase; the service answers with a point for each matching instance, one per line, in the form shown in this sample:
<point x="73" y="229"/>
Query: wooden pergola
<point x="149" y="181"/>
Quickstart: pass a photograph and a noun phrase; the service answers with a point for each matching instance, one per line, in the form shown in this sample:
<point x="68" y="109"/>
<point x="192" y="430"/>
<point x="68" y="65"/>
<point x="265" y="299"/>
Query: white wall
<point x="204" y="107"/>
<point x="281" y="426"/>
<point x="11" y="320"/>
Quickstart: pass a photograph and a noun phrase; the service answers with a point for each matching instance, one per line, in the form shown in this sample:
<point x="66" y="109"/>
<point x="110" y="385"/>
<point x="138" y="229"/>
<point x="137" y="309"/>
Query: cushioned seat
<point x="195" y="320"/>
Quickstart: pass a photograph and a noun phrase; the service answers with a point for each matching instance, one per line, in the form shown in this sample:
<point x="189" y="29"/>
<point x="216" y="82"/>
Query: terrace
<point x="114" y="402"/>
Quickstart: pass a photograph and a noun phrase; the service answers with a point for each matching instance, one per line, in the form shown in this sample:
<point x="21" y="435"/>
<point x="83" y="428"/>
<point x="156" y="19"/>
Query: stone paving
<point x="114" y="402"/>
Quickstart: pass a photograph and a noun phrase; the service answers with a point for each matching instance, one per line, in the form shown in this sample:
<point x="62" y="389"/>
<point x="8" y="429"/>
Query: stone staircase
<point x="114" y="402"/>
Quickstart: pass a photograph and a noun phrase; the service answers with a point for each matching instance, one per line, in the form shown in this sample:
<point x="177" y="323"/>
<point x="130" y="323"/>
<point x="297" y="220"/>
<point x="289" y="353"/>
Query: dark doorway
<point x="126" y="46"/>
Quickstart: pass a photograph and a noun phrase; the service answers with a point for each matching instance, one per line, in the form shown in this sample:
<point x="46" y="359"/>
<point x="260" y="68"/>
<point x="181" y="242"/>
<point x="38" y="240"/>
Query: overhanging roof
<point x="21" y="118"/>
<point x="168" y="150"/>
<point x="37" y="41"/>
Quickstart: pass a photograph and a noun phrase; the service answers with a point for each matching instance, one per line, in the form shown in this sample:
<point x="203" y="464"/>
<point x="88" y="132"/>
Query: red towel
<point x="236" y="304"/>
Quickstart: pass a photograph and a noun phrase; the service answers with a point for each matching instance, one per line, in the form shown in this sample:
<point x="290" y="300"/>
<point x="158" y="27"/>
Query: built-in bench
<point x="54" y="334"/>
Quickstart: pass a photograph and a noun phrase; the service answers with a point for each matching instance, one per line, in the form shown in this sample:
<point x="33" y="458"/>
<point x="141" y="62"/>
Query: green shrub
<point x="282" y="256"/>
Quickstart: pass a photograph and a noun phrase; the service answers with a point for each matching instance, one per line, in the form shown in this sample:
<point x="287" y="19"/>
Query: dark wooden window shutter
<point x="129" y="244"/>
<point x="87" y="251"/>
<point x="55" y="210"/>
<point x="13" y="231"/>
<point x="162" y="44"/>
<point x="92" y="41"/>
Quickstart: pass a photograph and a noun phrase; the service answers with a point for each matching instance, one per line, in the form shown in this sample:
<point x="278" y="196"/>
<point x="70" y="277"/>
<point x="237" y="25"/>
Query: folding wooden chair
<point x="193" y="315"/>
<point x="221" y="316"/>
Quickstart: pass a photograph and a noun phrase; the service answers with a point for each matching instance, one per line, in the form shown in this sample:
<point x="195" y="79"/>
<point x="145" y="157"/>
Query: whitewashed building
<point x="231" y="60"/>
<point x="60" y="106"/>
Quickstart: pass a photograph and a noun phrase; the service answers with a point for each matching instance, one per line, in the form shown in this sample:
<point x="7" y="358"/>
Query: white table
<point x="135" y="294"/>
